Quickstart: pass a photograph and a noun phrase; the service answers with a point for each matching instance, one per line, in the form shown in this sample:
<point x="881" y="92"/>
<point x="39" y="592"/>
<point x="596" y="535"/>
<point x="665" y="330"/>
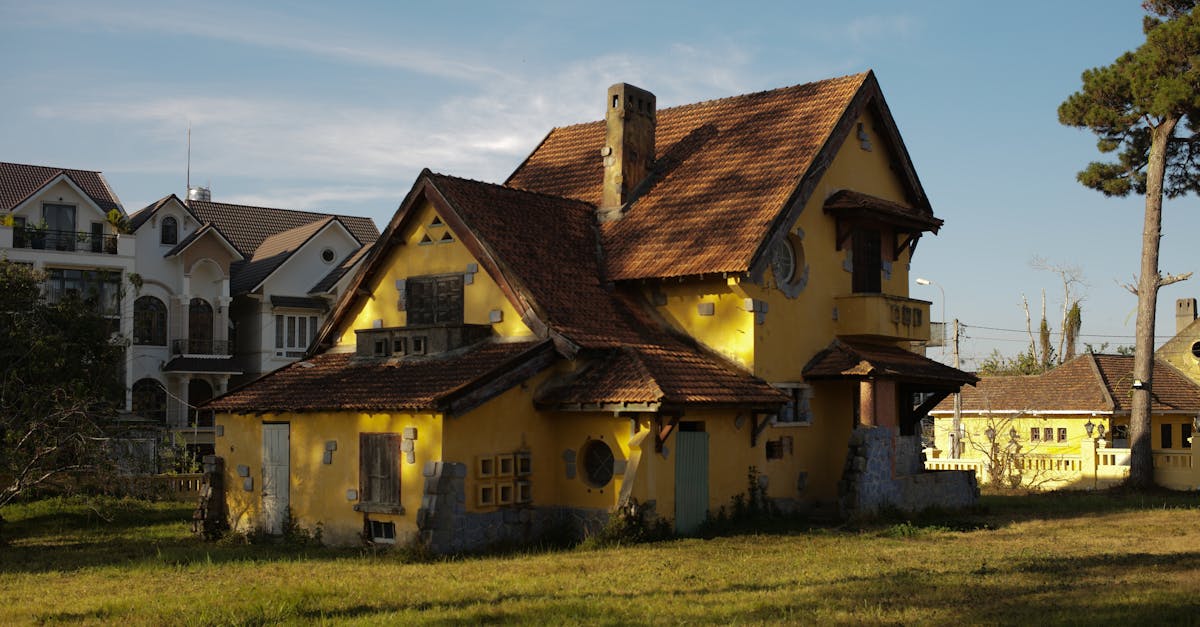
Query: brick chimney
<point x="1185" y="313"/>
<point x="628" y="147"/>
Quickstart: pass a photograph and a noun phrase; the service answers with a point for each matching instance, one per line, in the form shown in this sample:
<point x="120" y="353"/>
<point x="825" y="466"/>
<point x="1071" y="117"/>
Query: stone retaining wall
<point x="883" y="471"/>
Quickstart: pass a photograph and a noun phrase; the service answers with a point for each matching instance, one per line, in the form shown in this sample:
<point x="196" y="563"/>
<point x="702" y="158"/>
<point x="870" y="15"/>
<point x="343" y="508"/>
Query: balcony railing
<point x="67" y="241"/>
<point x="200" y="347"/>
<point x="883" y="316"/>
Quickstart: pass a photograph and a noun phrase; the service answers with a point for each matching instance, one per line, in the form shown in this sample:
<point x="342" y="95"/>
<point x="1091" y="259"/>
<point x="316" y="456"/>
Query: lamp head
<point x="924" y="282"/>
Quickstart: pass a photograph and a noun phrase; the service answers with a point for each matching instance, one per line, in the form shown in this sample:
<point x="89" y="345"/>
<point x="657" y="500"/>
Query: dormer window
<point x="169" y="232"/>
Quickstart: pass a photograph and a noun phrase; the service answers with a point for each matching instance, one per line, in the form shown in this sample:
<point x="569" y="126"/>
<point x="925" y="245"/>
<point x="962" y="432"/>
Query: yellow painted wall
<point x="976" y="445"/>
<point x="413" y="259"/>
<point x="729" y="331"/>
<point x="318" y="490"/>
<point x="1178" y="352"/>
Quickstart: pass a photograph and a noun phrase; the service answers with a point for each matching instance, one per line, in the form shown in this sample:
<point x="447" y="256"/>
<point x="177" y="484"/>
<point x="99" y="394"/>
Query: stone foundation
<point x="886" y="471"/>
<point x="447" y="527"/>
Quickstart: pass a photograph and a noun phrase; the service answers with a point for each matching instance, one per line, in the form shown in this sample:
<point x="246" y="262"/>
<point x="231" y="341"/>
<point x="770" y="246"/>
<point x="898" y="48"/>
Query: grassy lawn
<point x="1066" y="558"/>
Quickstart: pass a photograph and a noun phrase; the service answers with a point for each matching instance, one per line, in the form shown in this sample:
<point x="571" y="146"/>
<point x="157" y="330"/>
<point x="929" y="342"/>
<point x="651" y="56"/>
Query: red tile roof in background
<point x="19" y="181"/>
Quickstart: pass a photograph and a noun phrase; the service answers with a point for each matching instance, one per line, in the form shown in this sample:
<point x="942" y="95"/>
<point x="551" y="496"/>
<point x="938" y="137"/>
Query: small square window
<point x="1035" y="434"/>
<point x="505" y="493"/>
<point x="485" y="467"/>
<point x="504" y="465"/>
<point x="399" y="345"/>
<point x="1062" y="434"/>
<point x="382" y="532"/>
<point x="524" y="464"/>
<point x="381" y="346"/>
<point x="1048" y="434"/>
<point x="485" y="495"/>
<point x="418" y="345"/>
<point x="524" y="492"/>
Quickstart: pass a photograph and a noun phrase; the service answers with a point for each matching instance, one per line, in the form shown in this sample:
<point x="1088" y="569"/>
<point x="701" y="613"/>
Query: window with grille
<point x="293" y="333"/>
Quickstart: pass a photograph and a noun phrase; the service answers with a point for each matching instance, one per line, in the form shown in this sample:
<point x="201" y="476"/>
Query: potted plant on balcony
<point x="121" y="226"/>
<point x="36" y="233"/>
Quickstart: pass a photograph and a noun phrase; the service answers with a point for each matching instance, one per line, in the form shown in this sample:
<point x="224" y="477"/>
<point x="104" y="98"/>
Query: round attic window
<point x="1196" y="349"/>
<point x="328" y="255"/>
<point x="789" y="266"/>
<point x="597" y="463"/>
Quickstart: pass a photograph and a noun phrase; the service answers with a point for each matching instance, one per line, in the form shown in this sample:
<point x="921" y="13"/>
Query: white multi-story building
<point x="57" y="220"/>
<point x="229" y="292"/>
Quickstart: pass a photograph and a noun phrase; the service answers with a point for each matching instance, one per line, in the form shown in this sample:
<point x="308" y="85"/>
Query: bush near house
<point x="1040" y="559"/>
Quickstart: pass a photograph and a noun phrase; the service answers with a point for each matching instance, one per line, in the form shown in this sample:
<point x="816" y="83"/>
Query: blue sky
<point x="337" y="106"/>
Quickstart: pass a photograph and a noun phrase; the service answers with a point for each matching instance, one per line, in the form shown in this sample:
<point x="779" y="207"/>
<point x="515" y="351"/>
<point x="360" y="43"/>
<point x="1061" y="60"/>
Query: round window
<point x="783" y="261"/>
<point x="328" y="255"/>
<point x="597" y="463"/>
<point x="1196" y="349"/>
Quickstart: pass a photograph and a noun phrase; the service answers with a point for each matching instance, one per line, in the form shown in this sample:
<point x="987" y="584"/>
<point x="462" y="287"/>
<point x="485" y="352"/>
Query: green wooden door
<point x="691" y="480"/>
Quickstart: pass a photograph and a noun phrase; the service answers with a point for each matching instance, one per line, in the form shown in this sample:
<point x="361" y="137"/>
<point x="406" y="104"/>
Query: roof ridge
<point x="49" y="167"/>
<point x="712" y="101"/>
<point x="304" y="211"/>
<point x="521" y="190"/>
<point x="1105" y="387"/>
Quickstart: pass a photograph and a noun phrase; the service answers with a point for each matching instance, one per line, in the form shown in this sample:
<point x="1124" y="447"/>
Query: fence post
<point x="1087" y="455"/>
<point x="1194" y="470"/>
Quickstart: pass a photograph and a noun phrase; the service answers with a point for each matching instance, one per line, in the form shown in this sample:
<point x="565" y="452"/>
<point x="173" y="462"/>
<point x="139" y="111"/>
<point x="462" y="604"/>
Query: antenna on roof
<point x="188" y="182"/>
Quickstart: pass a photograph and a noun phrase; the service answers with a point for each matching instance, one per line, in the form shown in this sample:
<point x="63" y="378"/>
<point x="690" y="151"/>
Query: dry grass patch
<point x="1033" y="559"/>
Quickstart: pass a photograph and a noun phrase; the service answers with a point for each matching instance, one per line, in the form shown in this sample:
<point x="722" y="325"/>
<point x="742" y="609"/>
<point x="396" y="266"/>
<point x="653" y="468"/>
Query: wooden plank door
<point x="691" y="480"/>
<point x="275" y="476"/>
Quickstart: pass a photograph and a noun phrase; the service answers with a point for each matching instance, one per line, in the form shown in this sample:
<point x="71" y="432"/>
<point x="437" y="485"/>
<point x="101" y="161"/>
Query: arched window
<point x="200" y="327"/>
<point x="169" y="231"/>
<point x="150" y="400"/>
<point x="149" y="321"/>
<point x="199" y="391"/>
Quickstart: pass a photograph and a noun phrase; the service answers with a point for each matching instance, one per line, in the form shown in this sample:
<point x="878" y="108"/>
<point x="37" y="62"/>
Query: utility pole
<point x="957" y="424"/>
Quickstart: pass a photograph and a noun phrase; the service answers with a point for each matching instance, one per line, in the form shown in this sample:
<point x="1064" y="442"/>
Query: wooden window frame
<point x="435" y="300"/>
<point x="379" y="456"/>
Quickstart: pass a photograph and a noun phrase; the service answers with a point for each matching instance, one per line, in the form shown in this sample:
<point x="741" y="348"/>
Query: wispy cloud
<point x="868" y="28"/>
<point x="244" y="25"/>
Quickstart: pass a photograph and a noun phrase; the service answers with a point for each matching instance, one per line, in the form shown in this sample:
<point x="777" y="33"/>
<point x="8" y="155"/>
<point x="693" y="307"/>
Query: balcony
<point x="64" y="241"/>
<point x="200" y="347"/>
<point x="882" y="316"/>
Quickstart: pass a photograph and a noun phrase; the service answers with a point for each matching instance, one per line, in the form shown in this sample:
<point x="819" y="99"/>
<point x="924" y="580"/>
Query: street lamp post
<point x="956" y="449"/>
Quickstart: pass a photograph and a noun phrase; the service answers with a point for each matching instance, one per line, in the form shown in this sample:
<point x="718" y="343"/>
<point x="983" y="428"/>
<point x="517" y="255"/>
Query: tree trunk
<point x="1141" y="465"/>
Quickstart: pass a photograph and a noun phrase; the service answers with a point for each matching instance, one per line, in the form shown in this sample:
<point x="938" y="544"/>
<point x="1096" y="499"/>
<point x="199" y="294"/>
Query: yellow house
<point x="652" y="311"/>
<point x="1038" y="426"/>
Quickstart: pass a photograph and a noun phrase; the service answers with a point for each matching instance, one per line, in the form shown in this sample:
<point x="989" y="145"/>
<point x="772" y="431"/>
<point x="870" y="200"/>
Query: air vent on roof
<point x="199" y="193"/>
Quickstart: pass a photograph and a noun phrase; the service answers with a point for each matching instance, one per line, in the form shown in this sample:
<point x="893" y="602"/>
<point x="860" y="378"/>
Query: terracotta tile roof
<point x="547" y="244"/>
<point x="1099" y="383"/>
<point x="247" y="227"/>
<point x="340" y="381"/>
<point x="271" y="253"/>
<point x="726" y="172"/>
<point x="19" y="181"/>
<point x="849" y="202"/>
<point x="850" y="359"/>
<point x="666" y="375"/>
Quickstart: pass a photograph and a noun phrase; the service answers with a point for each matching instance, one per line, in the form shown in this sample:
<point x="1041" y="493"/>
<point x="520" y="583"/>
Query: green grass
<point x="1059" y="558"/>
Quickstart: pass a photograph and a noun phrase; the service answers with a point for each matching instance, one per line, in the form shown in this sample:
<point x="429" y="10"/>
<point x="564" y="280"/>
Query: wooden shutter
<point x="379" y="468"/>
<point x="449" y="300"/>
<point x="420" y="301"/>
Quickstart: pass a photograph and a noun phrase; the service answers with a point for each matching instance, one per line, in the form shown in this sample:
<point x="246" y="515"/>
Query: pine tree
<point x="1144" y="107"/>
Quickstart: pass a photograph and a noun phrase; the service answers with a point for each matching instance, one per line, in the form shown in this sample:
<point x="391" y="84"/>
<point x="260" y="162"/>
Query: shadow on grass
<point x="76" y="533"/>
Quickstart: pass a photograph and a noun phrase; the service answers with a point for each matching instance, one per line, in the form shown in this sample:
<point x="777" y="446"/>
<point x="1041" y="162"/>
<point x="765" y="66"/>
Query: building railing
<point x="1095" y="466"/>
<point x="200" y="347"/>
<point x="67" y="241"/>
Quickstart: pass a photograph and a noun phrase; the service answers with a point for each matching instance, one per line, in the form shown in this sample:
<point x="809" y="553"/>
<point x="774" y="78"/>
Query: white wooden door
<point x="275" y="476"/>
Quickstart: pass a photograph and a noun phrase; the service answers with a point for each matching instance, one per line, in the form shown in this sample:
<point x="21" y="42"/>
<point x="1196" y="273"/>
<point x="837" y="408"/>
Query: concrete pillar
<point x="1089" y="459"/>
<point x="866" y="403"/>
<point x="886" y="413"/>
